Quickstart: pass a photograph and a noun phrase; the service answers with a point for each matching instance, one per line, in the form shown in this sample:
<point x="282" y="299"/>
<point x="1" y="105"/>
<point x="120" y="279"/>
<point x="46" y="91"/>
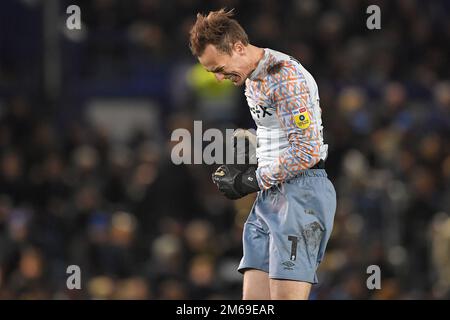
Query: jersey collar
<point x="258" y="73"/>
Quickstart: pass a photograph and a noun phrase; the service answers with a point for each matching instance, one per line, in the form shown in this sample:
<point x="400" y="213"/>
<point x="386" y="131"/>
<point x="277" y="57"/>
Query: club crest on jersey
<point x="301" y="118"/>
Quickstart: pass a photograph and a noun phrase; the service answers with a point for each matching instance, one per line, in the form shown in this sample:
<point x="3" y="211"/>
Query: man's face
<point x="225" y="66"/>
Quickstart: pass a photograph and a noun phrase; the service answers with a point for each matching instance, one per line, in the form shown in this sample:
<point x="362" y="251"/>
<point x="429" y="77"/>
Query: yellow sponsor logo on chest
<point x="301" y="118"/>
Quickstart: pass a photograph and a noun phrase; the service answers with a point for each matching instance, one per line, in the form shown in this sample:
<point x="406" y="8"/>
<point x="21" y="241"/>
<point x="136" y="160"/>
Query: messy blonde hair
<point x="217" y="28"/>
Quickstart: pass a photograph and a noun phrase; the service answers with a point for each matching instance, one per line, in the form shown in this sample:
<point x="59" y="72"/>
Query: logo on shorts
<point x="288" y="265"/>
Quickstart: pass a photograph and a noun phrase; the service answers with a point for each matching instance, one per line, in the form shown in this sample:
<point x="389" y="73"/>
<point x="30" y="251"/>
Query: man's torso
<point x="271" y="136"/>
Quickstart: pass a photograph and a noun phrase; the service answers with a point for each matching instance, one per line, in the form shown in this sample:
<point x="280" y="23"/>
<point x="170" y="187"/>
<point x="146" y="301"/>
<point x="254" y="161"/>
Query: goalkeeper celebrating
<point x="290" y="223"/>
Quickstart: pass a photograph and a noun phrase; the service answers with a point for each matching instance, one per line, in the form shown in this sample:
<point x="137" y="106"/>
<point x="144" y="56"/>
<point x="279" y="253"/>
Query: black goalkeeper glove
<point x="248" y="183"/>
<point x="233" y="183"/>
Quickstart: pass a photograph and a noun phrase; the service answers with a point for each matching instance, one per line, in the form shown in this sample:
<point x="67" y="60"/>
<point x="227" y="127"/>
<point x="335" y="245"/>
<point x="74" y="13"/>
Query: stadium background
<point x="85" y="124"/>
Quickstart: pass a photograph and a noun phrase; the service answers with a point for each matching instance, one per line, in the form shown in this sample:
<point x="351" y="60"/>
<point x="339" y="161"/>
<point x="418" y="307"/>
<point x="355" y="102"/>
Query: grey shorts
<point x="289" y="226"/>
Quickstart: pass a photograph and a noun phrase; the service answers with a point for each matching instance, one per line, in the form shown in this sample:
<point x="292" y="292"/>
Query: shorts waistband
<point x="311" y="173"/>
<point x="308" y="173"/>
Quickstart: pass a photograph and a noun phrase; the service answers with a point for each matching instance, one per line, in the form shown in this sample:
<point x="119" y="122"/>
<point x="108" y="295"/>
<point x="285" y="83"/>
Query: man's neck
<point x="256" y="54"/>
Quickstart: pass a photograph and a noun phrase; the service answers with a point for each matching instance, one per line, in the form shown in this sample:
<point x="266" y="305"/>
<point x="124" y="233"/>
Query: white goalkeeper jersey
<point x="284" y="102"/>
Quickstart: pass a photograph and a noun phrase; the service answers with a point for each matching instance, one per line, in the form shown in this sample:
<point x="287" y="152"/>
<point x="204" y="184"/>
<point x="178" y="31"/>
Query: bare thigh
<point x="256" y="285"/>
<point x="289" y="290"/>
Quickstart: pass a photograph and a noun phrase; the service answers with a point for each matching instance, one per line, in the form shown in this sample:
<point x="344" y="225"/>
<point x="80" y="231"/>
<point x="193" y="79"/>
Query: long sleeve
<point x="291" y="98"/>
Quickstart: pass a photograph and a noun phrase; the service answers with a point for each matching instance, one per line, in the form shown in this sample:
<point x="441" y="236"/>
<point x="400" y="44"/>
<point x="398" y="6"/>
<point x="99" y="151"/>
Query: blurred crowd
<point x="141" y="227"/>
